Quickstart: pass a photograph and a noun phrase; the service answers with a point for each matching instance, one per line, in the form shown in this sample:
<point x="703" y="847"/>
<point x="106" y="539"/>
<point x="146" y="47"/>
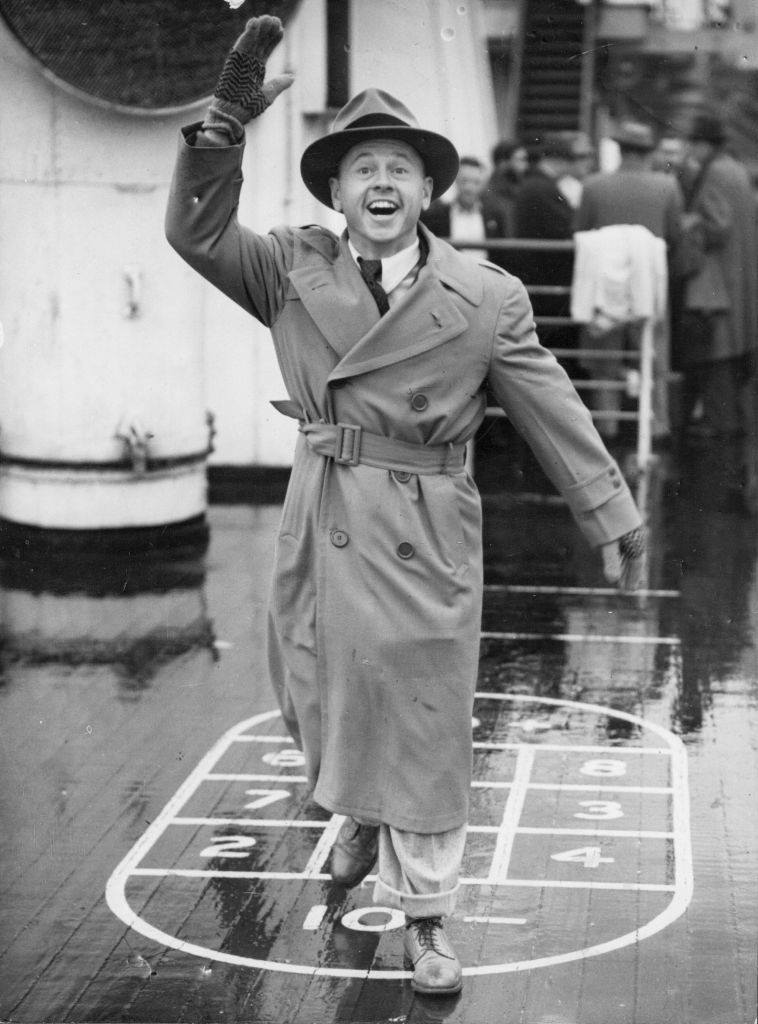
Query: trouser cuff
<point x="426" y="904"/>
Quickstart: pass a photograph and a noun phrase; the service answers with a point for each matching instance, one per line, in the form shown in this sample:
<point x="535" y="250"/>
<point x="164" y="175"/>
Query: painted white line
<point x="684" y="872"/>
<point x="317" y="859"/>
<point x="570" y="748"/>
<point x="129" y="866"/>
<point x="314" y="917"/>
<point x="236" y="777"/>
<point x="298" y="876"/>
<point x="582" y="638"/>
<point x="478" y="829"/>
<point x="264" y="739"/>
<point x="483" y="745"/>
<point x="279" y="876"/>
<point x="511" y="816"/>
<point x="251" y="822"/>
<point x="496" y="920"/>
<point x="620" y="833"/>
<point x="571" y="787"/>
<point x="516" y="588"/>
<point x="556" y="883"/>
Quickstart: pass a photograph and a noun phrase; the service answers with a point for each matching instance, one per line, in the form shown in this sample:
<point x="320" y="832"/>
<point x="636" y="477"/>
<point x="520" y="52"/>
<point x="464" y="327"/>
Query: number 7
<point x="265" y="797"/>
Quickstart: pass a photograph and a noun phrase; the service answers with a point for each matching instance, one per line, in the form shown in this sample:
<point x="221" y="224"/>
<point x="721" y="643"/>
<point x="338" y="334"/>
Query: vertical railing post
<point x="645" y="408"/>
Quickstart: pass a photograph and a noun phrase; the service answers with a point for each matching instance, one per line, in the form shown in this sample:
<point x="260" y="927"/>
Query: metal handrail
<point x="644" y="356"/>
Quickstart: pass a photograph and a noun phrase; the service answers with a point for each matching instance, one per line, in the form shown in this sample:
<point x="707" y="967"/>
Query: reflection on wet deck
<point x="118" y="678"/>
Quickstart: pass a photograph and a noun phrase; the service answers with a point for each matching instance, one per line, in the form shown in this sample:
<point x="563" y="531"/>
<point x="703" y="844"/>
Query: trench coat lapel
<point x="337" y="299"/>
<point x="426" y="317"/>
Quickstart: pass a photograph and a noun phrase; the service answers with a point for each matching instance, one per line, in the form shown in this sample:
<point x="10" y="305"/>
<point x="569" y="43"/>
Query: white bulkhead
<point x="113" y="351"/>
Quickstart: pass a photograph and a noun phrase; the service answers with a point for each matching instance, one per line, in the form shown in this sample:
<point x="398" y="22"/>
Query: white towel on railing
<point x="620" y="275"/>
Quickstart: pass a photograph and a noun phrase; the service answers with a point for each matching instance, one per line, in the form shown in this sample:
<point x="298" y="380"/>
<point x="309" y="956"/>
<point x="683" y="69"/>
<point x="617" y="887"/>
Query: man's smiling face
<point x="381" y="188"/>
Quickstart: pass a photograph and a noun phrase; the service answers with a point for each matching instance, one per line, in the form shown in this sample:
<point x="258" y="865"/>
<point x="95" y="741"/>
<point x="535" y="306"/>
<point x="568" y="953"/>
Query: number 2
<point x="229" y="846"/>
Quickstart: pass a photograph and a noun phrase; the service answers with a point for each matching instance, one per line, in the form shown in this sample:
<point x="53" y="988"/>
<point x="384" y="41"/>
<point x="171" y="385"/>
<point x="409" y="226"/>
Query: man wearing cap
<point x="385" y="337"/>
<point x="633" y="193"/>
<point x="719" y="361"/>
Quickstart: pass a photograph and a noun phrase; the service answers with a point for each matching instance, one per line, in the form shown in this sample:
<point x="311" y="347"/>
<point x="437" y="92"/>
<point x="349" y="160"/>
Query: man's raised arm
<point x="201" y="217"/>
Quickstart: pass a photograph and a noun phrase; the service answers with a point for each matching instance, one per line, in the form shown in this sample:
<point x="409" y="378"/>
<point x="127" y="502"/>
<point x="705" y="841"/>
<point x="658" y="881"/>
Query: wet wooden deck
<point x="609" y="874"/>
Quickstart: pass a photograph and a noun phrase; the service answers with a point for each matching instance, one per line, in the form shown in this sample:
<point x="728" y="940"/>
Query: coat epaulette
<point x="492" y="266"/>
<point x="317" y="237"/>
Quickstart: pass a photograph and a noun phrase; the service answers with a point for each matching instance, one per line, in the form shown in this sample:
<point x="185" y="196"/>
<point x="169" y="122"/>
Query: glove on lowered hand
<point x="624" y="559"/>
<point x="241" y="93"/>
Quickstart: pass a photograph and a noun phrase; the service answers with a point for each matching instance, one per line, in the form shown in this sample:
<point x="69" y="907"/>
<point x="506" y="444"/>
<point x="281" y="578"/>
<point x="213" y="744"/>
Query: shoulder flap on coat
<point x="314" y="240"/>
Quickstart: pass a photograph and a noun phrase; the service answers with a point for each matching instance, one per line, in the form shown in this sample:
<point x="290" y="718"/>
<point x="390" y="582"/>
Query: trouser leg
<point x="419" y="873"/>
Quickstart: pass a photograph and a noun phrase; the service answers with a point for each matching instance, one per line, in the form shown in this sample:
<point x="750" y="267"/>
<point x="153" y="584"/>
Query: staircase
<point x="551" y="67"/>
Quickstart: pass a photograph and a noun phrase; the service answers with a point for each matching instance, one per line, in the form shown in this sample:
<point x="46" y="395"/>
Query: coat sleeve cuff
<point x="603" y="506"/>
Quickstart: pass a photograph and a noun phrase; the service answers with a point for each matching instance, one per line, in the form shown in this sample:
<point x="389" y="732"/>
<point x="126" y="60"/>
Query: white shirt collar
<point x="394" y="268"/>
<point x="468" y="211"/>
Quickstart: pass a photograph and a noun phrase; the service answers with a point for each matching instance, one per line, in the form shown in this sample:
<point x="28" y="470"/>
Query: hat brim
<point x="321" y="159"/>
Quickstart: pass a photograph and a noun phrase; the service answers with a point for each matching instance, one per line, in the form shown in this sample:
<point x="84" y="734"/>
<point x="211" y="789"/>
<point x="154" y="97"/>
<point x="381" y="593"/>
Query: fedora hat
<point x="374" y="114"/>
<point x="635" y="135"/>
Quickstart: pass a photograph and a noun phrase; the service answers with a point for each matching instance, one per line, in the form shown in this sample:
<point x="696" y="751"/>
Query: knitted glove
<point x="241" y="93"/>
<point x="624" y="559"/>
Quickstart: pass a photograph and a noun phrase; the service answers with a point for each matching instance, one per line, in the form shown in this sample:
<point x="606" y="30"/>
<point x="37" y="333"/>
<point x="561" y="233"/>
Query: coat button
<point x="405" y="550"/>
<point x="616" y="483"/>
<point x="339" y="538"/>
<point x="419" y="402"/>
<point x="400" y="475"/>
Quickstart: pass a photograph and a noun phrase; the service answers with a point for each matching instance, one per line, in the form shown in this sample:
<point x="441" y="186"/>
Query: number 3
<point x="600" y="809"/>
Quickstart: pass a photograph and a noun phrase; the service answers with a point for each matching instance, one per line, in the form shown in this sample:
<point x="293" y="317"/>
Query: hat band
<point x="377" y="121"/>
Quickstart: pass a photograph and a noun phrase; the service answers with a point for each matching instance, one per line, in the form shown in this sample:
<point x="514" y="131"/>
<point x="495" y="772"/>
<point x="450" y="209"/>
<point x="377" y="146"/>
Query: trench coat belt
<point x="351" y="445"/>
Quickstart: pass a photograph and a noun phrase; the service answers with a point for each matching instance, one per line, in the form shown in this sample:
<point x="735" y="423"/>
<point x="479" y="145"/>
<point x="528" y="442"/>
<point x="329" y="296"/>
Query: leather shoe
<point x="436" y="968"/>
<point x="354" y="852"/>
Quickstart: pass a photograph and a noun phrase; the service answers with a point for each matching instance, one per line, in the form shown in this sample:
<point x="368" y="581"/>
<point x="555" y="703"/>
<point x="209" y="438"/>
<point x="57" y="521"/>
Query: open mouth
<point x="382" y="207"/>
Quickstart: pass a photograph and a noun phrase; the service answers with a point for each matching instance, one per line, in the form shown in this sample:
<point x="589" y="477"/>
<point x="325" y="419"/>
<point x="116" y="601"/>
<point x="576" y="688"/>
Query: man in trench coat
<point x="375" y="609"/>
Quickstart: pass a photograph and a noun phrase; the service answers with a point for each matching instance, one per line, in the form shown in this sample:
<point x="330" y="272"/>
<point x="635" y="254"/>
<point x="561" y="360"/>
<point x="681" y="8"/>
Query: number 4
<point x="587" y="856"/>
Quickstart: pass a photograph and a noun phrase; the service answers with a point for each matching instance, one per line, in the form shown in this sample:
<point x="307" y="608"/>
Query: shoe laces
<point x="427" y="929"/>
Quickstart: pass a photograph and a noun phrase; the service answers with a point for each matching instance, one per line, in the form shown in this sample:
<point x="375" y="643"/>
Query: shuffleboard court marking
<point x="679" y="836"/>
<point x="524" y="588"/>
<point x="584" y="638"/>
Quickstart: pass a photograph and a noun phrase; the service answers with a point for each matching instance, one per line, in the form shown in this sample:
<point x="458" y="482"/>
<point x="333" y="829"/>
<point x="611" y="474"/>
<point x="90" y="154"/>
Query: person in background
<point x="634" y="194"/>
<point x="510" y="162"/>
<point x="671" y="156"/>
<point x="384" y="336"/>
<point x="582" y="163"/>
<point x="473" y="215"/>
<point x="721" y="300"/>
<point x="543" y="212"/>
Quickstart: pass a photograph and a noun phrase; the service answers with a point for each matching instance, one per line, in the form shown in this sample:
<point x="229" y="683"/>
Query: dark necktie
<point x="371" y="271"/>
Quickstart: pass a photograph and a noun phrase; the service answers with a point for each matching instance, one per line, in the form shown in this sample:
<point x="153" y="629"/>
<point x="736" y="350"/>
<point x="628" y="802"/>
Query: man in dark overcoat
<point x="634" y="193"/>
<point x="720" y="361"/>
<point x="384" y="336"/>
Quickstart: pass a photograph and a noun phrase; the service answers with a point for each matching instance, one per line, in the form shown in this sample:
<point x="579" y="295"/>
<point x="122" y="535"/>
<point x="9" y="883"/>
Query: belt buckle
<point x="347" y="444"/>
